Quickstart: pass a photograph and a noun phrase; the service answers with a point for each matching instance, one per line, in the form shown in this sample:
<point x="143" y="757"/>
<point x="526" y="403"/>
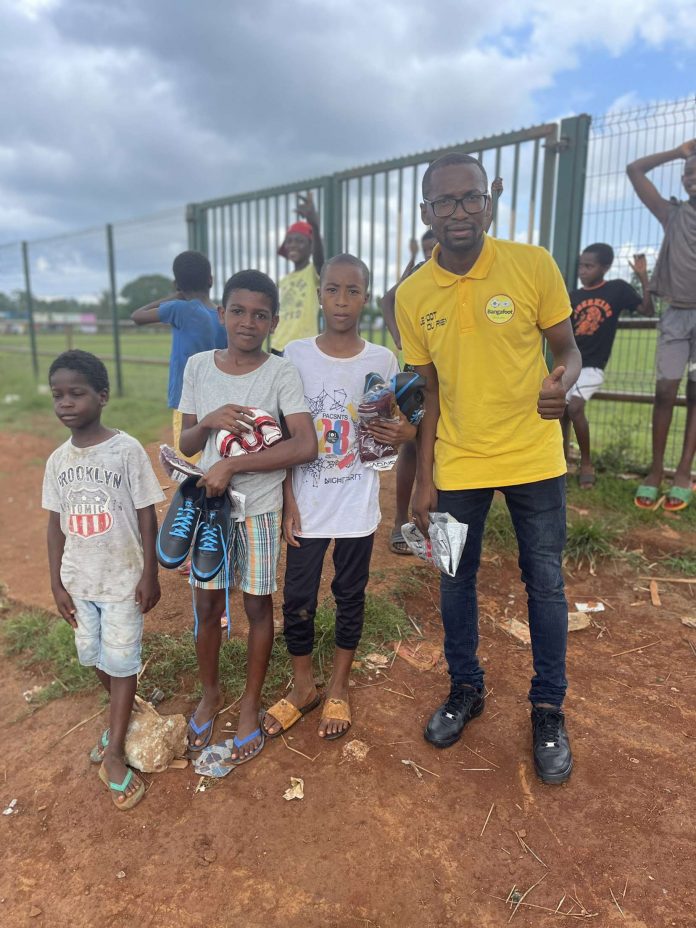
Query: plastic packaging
<point x="378" y="402"/>
<point x="445" y="542"/>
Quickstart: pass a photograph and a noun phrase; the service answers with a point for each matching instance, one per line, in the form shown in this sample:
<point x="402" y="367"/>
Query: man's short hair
<point x="454" y="157"/>
<point x="84" y="363"/>
<point x="253" y="280"/>
<point x="427" y="235"/>
<point x="192" y="271"/>
<point x="603" y="252"/>
<point x="345" y="258"/>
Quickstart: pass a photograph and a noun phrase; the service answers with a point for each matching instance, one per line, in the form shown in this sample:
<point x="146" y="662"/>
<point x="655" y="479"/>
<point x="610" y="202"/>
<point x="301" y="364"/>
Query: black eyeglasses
<point x="472" y="203"/>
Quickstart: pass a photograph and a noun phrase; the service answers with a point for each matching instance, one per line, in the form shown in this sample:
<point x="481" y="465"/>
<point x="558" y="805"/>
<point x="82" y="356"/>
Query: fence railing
<point x="565" y="186"/>
<point x="620" y="414"/>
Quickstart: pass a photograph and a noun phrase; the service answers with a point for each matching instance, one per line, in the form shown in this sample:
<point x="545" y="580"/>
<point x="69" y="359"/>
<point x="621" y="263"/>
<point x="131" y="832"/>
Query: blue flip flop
<point x="200" y="730"/>
<point x="258" y="733"/>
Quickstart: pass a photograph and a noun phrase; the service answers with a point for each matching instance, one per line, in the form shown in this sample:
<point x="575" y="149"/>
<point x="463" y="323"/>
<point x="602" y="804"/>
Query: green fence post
<point x="30" y="309"/>
<point x="333" y="219"/>
<point x="572" y="150"/>
<point x="114" y="307"/>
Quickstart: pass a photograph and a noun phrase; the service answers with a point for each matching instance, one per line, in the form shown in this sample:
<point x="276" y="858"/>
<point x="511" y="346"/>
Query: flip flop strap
<point x="647" y="492"/>
<point x="240" y="744"/>
<point x="683" y="494"/>
<point x="122" y="787"/>
<point x="202" y="729"/>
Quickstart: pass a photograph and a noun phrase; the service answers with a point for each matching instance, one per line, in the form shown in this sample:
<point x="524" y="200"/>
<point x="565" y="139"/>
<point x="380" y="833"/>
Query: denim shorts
<point x="108" y="636"/>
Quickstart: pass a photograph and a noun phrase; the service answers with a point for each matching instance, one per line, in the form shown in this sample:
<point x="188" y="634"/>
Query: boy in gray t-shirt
<point x="100" y="490"/>
<point x="220" y="389"/>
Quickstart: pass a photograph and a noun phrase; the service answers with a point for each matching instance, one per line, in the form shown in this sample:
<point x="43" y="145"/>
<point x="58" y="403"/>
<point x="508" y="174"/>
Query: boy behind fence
<point x="100" y="490"/>
<point x="597" y="305"/>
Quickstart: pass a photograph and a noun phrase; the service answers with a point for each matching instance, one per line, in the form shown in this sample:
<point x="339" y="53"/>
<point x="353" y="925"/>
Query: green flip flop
<point x="645" y="492"/>
<point x="678" y="498"/>
<point x="117" y="789"/>
<point x="96" y="755"/>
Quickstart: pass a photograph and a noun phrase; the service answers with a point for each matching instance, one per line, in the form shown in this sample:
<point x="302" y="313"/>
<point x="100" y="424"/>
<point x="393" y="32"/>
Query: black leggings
<point x="351" y="557"/>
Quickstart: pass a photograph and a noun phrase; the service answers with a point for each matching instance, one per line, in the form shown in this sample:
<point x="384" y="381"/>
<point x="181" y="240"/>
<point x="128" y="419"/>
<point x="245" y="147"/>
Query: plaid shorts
<point x="254" y="553"/>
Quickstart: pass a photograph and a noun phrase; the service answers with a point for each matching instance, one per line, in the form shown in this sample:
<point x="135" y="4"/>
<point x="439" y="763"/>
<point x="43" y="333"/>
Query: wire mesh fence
<point x="620" y="415"/>
<point x="371" y="211"/>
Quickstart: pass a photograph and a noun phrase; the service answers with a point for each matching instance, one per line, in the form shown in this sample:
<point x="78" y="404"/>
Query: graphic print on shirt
<point x="335" y="420"/>
<point x="89" y="512"/>
<point x="590" y="315"/>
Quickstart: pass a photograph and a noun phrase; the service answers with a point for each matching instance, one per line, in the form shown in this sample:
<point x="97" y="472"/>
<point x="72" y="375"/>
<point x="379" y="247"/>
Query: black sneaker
<point x="447" y="723"/>
<point x="553" y="759"/>
<point x="210" y="546"/>
<point x="178" y="528"/>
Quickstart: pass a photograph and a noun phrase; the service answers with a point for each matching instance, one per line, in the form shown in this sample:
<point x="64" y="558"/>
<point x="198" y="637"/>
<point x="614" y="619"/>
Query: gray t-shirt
<point x="275" y="387"/>
<point x="97" y="492"/>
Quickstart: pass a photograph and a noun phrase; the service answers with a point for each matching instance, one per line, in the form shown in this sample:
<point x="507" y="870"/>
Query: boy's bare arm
<point x="299" y="448"/>
<point x="308" y="211"/>
<point x="147" y="592"/>
<point x="292" y="525"/>
<point x="56" y="545"/>
<point x="387" y="305"/>
<point x="148" y="314"/>
<point x="646" y="190"/>
<point x="639" y="266"/>
<point x="425" y="494"/>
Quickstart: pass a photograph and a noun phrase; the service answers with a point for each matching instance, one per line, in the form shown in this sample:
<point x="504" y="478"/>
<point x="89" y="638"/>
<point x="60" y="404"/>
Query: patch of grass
<point x="408" y="584"/>
<point x="499" y="532"/>
<point x="681" y="563"/>
<point x="142" y="411"/>
<point x="589" y="540"/>
<point x="43" y="643"/>
<point x="46" y="645"/>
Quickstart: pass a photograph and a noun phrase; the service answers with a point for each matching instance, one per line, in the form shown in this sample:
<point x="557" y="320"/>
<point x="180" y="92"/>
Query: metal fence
<point x="564" y="183"/>
<point x="620" y="415"/>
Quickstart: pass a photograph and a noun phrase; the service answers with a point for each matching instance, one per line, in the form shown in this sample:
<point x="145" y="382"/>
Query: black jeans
<point x="539" y="516"/>
<point x="351" y="557"/>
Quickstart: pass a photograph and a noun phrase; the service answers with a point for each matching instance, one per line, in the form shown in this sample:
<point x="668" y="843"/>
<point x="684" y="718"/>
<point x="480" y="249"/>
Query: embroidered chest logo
<point x="430" y="321"/>
<point x="500" y="309"/>
<point x="89" y="512"/>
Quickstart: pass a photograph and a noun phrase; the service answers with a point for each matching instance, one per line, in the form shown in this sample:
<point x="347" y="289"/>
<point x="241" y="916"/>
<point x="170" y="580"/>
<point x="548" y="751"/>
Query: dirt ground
<point x="371" y="844"/>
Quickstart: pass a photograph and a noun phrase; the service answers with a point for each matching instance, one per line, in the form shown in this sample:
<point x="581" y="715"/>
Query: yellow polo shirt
<point x="482" y="332"/>
<point x="299" y="306"/>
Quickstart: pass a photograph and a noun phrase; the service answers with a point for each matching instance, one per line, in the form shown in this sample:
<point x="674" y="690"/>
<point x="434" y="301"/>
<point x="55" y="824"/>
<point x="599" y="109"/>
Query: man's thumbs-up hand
<point x="552" y="396"/>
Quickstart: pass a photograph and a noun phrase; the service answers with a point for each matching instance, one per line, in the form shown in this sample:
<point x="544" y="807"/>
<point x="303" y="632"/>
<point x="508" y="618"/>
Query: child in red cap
<point x="299" y="304"/>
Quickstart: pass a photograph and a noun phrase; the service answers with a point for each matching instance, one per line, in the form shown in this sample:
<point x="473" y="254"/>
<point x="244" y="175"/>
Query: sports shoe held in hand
<point x="210" y="545"/>
<point x="179" y="526"/>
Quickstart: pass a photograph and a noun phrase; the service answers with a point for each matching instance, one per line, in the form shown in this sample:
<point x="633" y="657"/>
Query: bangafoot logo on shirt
<point x="89" y="512"/>
<point x="500" y="309"/>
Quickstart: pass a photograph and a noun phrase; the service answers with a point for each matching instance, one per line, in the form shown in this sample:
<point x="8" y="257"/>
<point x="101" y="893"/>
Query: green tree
<point x="144" y="290"/>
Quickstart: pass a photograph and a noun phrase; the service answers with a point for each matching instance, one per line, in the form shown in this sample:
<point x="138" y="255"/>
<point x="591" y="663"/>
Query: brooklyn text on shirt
<point x="91" y="473"/>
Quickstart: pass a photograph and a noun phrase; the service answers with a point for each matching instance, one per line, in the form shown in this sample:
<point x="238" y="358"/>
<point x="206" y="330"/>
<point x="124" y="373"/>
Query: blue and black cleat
<point x="179" y="526"/>
<point x="210" y="545"/>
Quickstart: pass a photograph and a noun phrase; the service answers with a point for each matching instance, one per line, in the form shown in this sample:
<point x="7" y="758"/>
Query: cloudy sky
<point x="123" y="109"/>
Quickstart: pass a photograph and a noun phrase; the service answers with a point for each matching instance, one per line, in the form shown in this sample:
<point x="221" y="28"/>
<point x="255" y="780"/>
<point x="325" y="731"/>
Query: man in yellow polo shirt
<point x="471" y="322"/>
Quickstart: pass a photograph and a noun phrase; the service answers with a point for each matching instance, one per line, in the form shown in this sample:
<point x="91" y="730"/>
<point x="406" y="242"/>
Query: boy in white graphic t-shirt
<point x="333" y="497"/>
<point x="100" y="490"/>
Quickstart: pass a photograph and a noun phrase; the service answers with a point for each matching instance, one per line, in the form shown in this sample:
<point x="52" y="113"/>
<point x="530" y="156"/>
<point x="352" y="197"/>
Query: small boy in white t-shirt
<point x="333" y="497"/>
<point x="100" y="490"/>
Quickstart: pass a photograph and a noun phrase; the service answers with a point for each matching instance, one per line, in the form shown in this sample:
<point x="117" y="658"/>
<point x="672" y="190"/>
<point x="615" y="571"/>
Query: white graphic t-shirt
<point x="338" y="497"/>
<point x="97" y="492"/>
